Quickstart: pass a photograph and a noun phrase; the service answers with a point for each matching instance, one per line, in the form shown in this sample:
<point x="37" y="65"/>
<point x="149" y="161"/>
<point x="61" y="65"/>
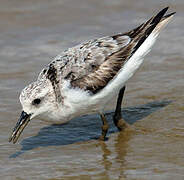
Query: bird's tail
<point x="153" y="25"/>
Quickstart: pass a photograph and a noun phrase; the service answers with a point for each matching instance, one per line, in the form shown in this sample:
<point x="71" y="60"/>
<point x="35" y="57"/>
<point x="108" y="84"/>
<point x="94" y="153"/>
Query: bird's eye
<point x="36" y="101"/>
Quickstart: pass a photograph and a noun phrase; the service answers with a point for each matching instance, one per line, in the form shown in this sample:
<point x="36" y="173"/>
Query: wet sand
<point x="31" y="34"/>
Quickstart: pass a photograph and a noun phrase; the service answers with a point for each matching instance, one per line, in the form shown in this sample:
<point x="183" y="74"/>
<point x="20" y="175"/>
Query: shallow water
<point x="32" y="33"/>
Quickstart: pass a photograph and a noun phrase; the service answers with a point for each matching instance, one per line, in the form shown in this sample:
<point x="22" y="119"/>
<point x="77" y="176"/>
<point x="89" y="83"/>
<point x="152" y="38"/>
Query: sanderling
<point x="85" y="78"/>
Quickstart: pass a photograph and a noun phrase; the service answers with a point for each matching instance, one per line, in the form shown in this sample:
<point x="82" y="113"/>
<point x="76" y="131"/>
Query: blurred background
<point x="32" y="33"/>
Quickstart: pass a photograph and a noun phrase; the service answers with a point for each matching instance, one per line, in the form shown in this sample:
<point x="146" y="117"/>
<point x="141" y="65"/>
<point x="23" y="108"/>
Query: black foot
<point x="121" y="124"/>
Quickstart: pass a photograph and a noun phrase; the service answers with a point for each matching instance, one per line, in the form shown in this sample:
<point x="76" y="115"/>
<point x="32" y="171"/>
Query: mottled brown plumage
<point x="98" y="79"/>
<point x="91" y="65"/>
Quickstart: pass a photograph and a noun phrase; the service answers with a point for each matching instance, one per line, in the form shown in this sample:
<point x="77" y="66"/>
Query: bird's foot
<point x="122" y="125"/>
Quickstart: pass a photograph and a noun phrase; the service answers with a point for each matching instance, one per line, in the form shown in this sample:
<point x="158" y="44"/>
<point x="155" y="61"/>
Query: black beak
<point x="21" y="124"/>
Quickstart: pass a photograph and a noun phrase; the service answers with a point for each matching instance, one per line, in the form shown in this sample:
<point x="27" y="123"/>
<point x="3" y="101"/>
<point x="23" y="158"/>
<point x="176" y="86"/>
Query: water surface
<point x="32" y="33"/>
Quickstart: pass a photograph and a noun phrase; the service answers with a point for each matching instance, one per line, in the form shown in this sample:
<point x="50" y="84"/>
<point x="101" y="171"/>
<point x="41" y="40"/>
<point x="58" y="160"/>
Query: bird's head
<point x="36" y="99"/>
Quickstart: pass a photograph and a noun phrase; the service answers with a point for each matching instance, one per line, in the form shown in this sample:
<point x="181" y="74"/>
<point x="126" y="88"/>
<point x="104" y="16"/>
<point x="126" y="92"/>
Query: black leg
<point x="105" y="127"/>
<point x="118" y="121"/>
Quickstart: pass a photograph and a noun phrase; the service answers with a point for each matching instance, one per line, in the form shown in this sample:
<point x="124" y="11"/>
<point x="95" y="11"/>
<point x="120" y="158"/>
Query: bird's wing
<point x="94" y="65"/>
<point x="83" y="60"/>
<point x="91" y="65"/>
<point x="102" y="63"/>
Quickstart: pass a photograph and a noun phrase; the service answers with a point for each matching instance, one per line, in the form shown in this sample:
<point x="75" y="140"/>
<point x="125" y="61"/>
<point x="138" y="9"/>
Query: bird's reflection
<point x="105" y="154"/>
<point x="121" y="145"/>
<point x="121" y="148"/>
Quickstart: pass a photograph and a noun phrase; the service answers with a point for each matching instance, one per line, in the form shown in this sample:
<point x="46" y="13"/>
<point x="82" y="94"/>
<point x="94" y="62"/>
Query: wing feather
<point x="91" y="65"/>
<point x="98" y="79"/>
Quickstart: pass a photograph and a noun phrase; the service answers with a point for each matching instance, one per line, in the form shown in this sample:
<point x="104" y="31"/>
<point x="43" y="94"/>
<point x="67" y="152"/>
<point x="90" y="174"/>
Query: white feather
<point x="126" y="72"/>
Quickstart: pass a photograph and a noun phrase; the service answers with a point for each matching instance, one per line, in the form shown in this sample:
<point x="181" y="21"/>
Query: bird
<point x="85" y="78"/>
